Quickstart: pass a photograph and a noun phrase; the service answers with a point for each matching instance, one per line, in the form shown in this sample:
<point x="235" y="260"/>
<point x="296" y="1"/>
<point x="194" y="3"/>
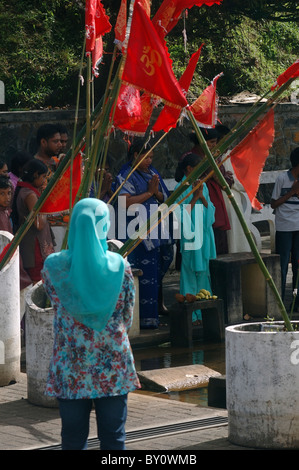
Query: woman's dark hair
<point x="18" y="161"/>
<point x="294" y="157"/>
<point x="5" y="182"/>
<point x="190" y="159"/>
<point x="30" y="168"/>
<point x="207" y="133"/>
<point x="139" y="145"/>
<point x="2" y="163"/>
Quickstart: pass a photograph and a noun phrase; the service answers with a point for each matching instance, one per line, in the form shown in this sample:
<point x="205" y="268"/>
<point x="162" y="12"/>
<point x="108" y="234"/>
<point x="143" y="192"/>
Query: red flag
<point x="291" y="72"/>
<point x="170" y="11"/>
<point x="97" y="55"/>
<point x="205" y="108"/>
<point x="138" y="126"/>
<point x="59" y="199"/>
<point x="169" y="116"/>
<point x="148" y="65"/>
<point x="121" y="23"/>
<point x="128" y="107"/>
<point x="96" y="25"/>
<point x="249" y="156"/>
<point x="146" y="5"/>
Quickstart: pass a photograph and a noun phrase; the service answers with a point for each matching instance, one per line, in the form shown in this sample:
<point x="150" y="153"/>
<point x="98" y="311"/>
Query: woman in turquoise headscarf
<point x="197" y="243"/>
<point x="92" y="293"/>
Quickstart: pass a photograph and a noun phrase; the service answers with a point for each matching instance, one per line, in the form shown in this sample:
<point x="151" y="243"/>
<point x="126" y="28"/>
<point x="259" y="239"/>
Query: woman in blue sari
<point x="138" y="199"/>
<point x="197" y="242"/>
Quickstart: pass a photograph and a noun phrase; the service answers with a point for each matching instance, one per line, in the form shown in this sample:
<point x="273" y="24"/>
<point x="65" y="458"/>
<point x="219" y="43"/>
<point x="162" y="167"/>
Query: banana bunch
<point x="204" y="294"/>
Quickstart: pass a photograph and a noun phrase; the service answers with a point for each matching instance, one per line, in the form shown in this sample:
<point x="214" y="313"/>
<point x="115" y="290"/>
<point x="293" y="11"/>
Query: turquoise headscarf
<point x="87" y="277"/>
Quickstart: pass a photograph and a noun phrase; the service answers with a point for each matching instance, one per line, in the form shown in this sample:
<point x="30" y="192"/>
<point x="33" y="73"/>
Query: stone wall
<point x="18" y="131"/>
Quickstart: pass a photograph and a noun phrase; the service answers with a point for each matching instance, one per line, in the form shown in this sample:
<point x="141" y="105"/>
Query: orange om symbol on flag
<point x="202" y="105"/>
<point x="150" y="59"/>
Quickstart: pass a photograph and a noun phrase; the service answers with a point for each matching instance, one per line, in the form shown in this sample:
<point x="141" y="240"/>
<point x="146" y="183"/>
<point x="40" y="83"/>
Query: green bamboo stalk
<point x="64" y="242"/>
<point x="237" y="132"/>
<point x="194" y="175"/>
<point x="103" y="160"/>
<point x="241" y="218"/>
<point x="240" y="122"/>
<point x="205" y="164"/>
<point x="135" y="168"/>
<point x="62" y="167"/>
<point x="76" y="120"/>
<point x="88" y="108"/>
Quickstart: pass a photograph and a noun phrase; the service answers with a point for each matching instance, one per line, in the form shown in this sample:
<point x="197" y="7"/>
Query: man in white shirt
<point x="285" y="202"/>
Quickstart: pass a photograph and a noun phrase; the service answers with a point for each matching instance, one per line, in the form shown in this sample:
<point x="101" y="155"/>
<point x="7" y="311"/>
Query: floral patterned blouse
<point x="87" y="363"/>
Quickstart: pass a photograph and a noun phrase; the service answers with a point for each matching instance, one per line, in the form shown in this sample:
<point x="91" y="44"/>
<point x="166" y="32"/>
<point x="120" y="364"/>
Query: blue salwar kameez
<point x="155" y="253"/>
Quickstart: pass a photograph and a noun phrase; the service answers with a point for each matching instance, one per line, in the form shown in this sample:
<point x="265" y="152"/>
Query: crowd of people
<point x="23" y="180"/>
<point x="91" y="288"/>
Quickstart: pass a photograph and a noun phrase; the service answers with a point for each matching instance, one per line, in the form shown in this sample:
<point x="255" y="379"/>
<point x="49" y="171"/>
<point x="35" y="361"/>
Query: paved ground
<point x="26" y="427"/>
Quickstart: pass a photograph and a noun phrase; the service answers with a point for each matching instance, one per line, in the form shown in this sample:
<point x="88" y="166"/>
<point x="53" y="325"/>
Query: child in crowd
<point x="5" y="222"/>
<point x="37" y="243"/>
<point x="16" y="165"/>
<point x="5" y="201"/>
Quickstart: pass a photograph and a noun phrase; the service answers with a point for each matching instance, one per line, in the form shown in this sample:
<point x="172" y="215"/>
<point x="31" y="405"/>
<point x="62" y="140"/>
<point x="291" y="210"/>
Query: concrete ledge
<point x="176" y="378"/>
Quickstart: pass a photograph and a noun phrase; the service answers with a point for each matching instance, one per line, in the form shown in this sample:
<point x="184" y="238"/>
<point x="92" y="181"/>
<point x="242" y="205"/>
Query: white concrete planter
<point x="10" y="339"/>
<point x="39" y="345"/>
<point x="262" y="379"/>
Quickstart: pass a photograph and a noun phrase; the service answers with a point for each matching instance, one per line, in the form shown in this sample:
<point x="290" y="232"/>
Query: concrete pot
<point x="39" y="345"/>
<point x="10" y="338"/>
<point x="262" y="377"/>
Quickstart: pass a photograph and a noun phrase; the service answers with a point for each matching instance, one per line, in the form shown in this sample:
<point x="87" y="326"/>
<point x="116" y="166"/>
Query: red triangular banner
<point x="249" y="156"/>
<point x="59" y="199"/>
<point x="205" y="108"/>
<point x="169" y="116"/>
<point x="170" y="11"/>
<point x="148" y="65"/>
<point x="121" y="23"/>
<point x="291" y="72"/>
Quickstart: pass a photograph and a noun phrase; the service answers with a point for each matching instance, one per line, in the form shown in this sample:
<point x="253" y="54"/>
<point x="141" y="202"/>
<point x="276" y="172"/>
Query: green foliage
<point x="250" y="53"/>
<point x="251" y="41"/>
<point x="41" y="43"/>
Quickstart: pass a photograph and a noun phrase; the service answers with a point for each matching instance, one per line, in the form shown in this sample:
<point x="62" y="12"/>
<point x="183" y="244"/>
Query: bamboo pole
<point x="62" y="167"/>
<point x="225" y="143"/>
<point x="241" y="218"/>
<point x="135" y="168"/>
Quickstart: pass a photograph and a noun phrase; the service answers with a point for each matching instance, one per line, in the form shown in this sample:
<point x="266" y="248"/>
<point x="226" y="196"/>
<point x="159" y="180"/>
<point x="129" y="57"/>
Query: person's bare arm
<point x="293" y="191"/>
<point x="40" y="220"/>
